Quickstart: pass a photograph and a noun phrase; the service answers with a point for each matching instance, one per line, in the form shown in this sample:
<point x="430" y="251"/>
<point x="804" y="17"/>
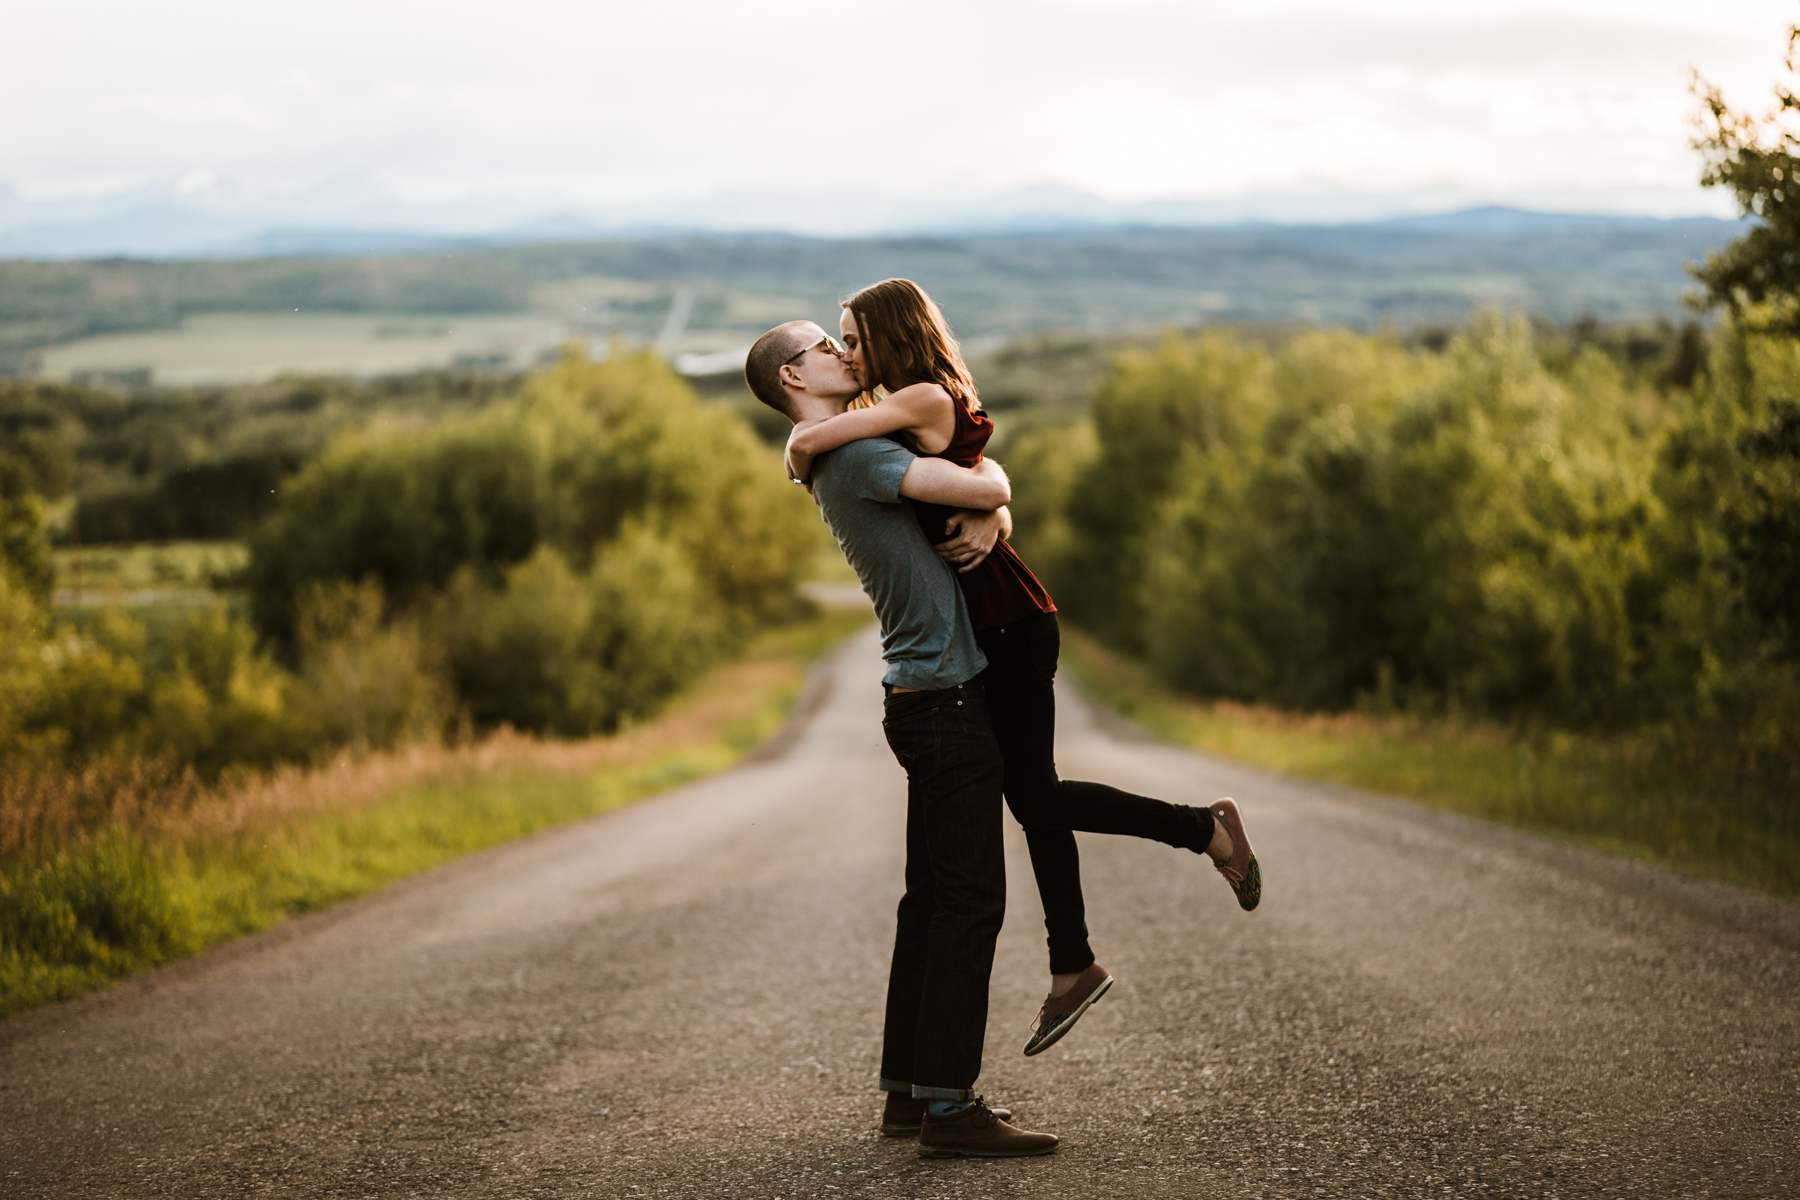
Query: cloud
<point x="548" y="105"/>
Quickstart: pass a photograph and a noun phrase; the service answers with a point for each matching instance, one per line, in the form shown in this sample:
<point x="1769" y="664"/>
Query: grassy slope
<point x="245" y="857"/>
<point x="1618" y="794"/>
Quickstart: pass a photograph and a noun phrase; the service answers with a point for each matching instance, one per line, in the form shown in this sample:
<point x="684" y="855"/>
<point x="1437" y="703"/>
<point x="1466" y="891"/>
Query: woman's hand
<point x="796" y="460"/>
<point x="973" y="536"/>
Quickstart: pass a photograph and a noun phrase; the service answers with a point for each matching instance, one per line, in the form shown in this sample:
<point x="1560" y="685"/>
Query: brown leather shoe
<point x="902" y="1115"/>
<point x="1243" y="872"/>
<point x="976" y="1132"/>
<point x="1059" y="1013"/>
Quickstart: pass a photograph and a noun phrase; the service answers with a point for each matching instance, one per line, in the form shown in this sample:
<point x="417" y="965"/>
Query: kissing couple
<point x="970" y="638"/>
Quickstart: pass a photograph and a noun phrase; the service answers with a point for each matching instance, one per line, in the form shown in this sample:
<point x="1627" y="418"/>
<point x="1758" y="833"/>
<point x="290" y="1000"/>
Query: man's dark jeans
<point x="1019" y="683"/>
<point x="955" y="891"/>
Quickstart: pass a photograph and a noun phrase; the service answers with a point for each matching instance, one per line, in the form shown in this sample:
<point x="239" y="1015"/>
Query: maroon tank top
<point x="1002" y="589"/>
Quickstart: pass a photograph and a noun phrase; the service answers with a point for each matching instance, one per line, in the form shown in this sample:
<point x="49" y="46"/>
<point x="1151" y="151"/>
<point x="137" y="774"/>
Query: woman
<point x="896" y="339"/>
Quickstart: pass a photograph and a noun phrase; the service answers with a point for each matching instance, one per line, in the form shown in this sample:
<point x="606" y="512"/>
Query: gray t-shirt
<point x="925" y="633"/>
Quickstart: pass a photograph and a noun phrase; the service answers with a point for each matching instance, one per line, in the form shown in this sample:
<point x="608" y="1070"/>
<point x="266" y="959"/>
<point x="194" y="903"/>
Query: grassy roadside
<point x="177" y="867"/>
<point x="1640" y="796"/>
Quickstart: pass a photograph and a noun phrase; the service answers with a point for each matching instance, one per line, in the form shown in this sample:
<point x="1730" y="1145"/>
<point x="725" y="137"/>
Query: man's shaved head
<point x="762" y="366"/>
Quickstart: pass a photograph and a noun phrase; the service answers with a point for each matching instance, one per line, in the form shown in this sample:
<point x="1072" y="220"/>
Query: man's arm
<point x="938" y="481"/>
<point x="973" y="536"/>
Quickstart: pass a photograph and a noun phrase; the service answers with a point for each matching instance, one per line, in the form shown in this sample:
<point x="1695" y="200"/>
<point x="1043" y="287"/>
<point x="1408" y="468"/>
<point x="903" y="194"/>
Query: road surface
<point x="682" y="999"/>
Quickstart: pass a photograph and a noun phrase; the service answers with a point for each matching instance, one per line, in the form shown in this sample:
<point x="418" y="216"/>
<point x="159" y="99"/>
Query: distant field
<point x="705" y="295"/>
<point x="224" y="348"/>
<point x="231" y="348"/>
<point x="95" y="575"/>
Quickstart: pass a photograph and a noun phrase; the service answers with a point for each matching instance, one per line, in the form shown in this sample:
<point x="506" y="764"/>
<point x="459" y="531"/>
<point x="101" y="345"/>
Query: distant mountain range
<point x="703" y="292"/>
<point x="160" y="224"/>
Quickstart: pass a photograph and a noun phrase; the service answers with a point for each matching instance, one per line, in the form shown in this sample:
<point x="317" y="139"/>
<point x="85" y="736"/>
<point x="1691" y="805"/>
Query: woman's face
<point x="858" y="355"/>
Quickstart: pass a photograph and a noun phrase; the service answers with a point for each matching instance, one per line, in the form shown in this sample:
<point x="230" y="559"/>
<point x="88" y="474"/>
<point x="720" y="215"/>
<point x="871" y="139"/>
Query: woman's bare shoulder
<point x="920" y="395"/>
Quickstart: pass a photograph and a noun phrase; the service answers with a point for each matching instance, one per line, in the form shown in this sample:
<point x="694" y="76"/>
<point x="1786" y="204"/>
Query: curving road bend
<point x="682" y="999"/>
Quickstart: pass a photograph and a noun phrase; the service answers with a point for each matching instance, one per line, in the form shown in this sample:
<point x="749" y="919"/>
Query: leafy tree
<point x="1757" y="158"/>
<point x="24" y="537"/>
<point x="404" y="509"/>
<point x="1764" y="531"/>
<point x="1161" y="414"/>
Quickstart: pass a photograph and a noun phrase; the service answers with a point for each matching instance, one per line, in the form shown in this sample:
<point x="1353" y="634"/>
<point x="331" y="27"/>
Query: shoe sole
<point x="937" y="1153"/>
<point x="1251" y="896"/>
<point x="1249" y="893"/>
<point x="1068" y="1022"/>
<point x="901" y="1130"/>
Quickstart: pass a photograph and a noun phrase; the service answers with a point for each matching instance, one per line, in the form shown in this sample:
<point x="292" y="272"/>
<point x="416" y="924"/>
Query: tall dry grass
<point x="125" y="864"/>
<point x="1687" y="796"/>
<point x="44" y="809"/>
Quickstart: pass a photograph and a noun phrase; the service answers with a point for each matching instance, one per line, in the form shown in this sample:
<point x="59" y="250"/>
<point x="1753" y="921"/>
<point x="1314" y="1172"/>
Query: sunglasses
<point x="828" y="344"/>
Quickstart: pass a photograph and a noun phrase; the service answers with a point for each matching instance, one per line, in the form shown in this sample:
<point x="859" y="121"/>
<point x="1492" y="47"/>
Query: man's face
<point x="821" y="368"/>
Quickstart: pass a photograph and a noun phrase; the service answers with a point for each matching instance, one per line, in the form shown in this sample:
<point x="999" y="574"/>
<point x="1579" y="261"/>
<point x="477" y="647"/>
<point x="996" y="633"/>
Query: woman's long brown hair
<point x="906" y="340"/>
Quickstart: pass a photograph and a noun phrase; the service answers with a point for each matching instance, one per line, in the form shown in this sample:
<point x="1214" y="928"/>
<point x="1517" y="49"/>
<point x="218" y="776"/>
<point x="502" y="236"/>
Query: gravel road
<point x="683" y="999"/>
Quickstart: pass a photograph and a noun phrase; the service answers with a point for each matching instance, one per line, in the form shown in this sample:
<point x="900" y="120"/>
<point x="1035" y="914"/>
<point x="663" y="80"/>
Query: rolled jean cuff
<point x="959" y="1095"/>
<point x="894" y="1085"/>
<point x="1070" y="962"/>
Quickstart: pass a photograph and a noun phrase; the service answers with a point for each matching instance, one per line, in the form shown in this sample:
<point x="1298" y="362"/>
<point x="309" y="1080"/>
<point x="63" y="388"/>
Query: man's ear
<point x="789" y="376"/>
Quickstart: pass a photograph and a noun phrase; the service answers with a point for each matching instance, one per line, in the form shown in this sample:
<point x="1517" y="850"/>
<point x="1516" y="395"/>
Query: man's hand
<point x="973" y="536"/>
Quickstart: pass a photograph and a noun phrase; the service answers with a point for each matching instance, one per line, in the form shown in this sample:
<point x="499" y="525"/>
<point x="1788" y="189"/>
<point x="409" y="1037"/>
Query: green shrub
<point x="585" y="449"/>
<point x="403" y="508"/>
<point x="222" y="700"/>
<point x="363" y="683"/>
<point x="24" y="537"/>
<point x="88" y="693"/>
<point x="654" y="622"/>
<point x="1340" y="520"/>
<point x="552" y="650"/>
<point x="1162" y="415"/>
<point x="514" y="651"/>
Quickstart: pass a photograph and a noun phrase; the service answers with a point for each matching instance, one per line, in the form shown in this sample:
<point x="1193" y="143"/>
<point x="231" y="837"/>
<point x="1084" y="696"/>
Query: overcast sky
<point x="529" y="106"/>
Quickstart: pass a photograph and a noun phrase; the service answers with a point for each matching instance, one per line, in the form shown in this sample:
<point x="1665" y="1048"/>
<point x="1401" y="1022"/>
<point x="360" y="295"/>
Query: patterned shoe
<point x="1242" y="872"/>
<point x="1059" y="1013"/>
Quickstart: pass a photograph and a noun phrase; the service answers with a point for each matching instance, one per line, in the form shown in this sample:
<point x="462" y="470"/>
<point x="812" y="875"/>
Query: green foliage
<point x="1757" y="158"/>
<point x="221" y="700"/>
<point x="404" y="508"/>
<point x="553" y="651"/>
<point x="121" y="897"/>
<point x="1045" y="463"/>
<point x="516" y="650"/>
<point x="653" y="622"/>
<point x="559" y="562"/>
<point x="84" y="691"/>
<point x="1764" y="529"/>
<point x="1721" y="624"/>
<point x="587" y="448"/>
<point x="24" y="537"/>
<point x="197" y="462"/>
<point x="574" y="552"/>
<point x="103" y="907"/>
<point x="23" y="624"/>
<point x="207" y="499"/>
<point x="1340" y="520"/>
<point x="362" y="683"/>
<point x="1161" y="414"/>
<point x="630" y="443"/>
<point x="204" y="695"/>
<point x="1676" y="794"/>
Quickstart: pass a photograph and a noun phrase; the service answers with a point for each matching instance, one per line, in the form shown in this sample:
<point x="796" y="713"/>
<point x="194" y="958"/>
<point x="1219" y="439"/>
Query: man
<point x="937" y="726"/>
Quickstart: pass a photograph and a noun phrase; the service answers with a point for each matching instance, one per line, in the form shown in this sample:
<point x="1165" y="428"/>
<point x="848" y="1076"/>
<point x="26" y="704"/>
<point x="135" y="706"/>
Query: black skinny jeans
<point x="1022" y="703"/>
<point x="955" y="892"/>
